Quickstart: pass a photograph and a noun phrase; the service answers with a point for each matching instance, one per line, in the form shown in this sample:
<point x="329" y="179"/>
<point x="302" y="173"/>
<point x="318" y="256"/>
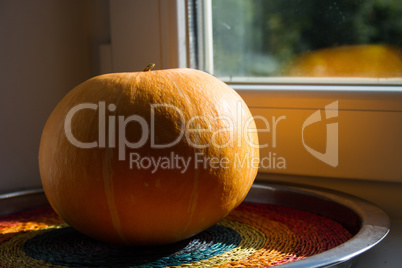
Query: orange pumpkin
<point x="376" y="61"/>
<point x="150" y="157"/>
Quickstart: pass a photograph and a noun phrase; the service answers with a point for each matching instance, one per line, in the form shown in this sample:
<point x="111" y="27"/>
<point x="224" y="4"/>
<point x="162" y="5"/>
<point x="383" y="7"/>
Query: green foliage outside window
<point x="259" y="37"/>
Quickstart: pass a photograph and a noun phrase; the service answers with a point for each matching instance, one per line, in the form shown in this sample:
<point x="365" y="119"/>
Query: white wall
<point x="47" y="47"/>
<point x="145" y="32"/>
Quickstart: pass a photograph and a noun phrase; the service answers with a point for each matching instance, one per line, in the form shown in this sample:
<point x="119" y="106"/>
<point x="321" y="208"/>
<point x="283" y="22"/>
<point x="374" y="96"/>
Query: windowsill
<point x="325" y="87"/>
<point x="387" y="252"/>
<point x="367" y="136"/>
<point x="308" y="81"/>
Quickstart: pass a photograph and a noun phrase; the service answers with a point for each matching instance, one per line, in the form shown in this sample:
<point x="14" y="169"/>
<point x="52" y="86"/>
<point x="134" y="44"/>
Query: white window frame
<point x="155" y="31"/>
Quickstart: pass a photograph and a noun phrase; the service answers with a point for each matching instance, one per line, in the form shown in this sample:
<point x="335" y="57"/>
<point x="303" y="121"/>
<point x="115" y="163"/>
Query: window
<point x="363" y="115"/>
<point x="267" y="40"/>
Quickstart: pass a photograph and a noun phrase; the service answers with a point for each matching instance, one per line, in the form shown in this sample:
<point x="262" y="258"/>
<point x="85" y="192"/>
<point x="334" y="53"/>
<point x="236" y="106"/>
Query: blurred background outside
<point x="270" y="38"/>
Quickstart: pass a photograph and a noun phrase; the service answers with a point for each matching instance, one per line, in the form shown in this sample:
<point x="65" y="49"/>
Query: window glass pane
<point x="304" y="38"/>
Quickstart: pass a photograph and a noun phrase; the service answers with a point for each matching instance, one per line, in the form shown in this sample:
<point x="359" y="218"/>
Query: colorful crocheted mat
<point x="253" y="235"/>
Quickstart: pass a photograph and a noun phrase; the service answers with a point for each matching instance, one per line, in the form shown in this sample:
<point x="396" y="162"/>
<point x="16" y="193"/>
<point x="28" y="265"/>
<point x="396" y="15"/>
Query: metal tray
<point x="365" y="221"/>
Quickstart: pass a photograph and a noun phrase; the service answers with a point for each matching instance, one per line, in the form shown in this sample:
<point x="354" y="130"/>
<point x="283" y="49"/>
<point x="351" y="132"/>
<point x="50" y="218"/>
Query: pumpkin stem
<point x="149" y="67"/>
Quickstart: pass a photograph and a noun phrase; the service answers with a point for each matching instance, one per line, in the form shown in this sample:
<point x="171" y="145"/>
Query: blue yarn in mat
<point x="67" y="247"/>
